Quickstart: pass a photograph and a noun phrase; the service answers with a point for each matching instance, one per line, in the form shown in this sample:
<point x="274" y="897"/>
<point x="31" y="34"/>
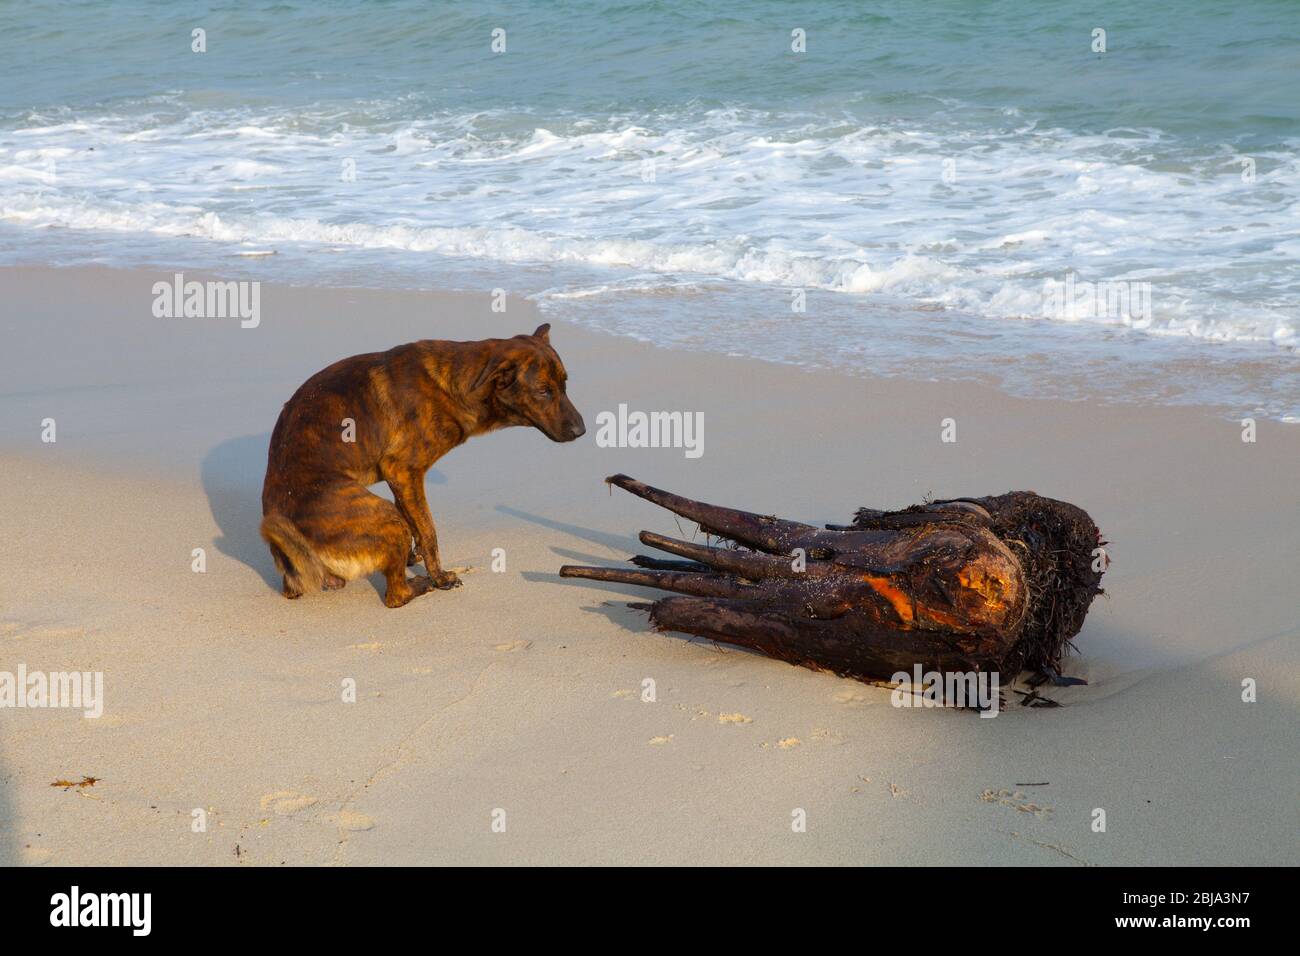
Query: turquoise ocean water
<point x="676" y="171"/>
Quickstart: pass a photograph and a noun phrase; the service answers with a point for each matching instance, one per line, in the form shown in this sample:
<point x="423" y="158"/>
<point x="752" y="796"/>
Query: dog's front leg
<point x="408" y="495"/>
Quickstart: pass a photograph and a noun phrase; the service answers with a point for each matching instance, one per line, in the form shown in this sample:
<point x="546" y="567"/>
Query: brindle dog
<point x="410" y="406"/>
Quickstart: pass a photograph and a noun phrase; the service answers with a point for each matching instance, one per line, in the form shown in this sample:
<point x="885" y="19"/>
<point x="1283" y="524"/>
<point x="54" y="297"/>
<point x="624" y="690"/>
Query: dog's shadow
<point x="232" y="474"/>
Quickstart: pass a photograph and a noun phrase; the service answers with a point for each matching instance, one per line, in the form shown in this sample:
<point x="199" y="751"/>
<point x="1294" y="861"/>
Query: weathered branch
<point x="963" y="584"/>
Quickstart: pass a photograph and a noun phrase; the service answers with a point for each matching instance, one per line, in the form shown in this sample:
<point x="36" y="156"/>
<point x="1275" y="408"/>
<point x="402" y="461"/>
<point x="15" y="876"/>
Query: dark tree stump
<point x="1000" y="583"/>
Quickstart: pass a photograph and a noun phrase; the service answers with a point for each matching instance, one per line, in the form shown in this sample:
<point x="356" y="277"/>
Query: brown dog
<point x="408" y="407"/>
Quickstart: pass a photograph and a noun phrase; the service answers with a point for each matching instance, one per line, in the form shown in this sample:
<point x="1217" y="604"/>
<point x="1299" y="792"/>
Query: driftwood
<point x="966" y="584"/>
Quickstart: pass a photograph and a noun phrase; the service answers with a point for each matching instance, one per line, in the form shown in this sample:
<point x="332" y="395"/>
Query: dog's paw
<point x="445" y="580"/>
<point x="401" y="594"/>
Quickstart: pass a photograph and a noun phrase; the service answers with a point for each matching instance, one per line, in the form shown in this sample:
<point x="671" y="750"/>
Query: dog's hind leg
<point x="402" y="554"/>
<point x="357" y="533"/>
<point x="401" y="589"/>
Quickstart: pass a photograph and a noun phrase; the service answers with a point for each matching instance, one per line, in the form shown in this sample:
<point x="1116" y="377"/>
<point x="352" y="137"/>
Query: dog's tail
<point x="293" y="555"/>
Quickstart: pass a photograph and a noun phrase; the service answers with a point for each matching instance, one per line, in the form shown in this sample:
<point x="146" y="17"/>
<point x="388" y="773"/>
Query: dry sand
<point x="522" y="693"/>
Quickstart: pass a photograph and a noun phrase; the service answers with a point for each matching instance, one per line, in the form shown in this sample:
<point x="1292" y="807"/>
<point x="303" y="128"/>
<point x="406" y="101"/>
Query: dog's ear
<point x="499" y="371"/>
<point x="543" y="332"/>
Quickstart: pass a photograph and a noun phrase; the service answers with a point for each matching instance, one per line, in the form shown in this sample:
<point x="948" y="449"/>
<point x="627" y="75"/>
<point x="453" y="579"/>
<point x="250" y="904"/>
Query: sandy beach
<point x="518" y="697"/>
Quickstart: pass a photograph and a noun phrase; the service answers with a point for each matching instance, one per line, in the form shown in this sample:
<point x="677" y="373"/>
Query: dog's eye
<point x="544" y="392"/>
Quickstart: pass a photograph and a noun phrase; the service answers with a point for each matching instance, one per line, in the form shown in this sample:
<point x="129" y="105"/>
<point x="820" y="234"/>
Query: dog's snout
<point x="574" y="426"/>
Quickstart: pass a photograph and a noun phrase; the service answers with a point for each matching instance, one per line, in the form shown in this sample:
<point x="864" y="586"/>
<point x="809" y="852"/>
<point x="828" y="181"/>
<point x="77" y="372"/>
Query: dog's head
<point x="525" y="382"/>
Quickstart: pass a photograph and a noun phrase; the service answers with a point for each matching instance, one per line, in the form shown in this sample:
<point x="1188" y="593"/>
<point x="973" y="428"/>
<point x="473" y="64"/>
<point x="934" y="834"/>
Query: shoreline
<point x="521" y="692"/>
<point x="1030" y="357"/>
